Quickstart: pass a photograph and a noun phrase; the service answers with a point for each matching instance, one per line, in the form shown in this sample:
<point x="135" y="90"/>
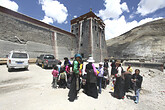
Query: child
<point x="62" y="78"/>
<point x="55" y="76"/>
<point x="59" y="66"/>
<point x="137" y="81"/>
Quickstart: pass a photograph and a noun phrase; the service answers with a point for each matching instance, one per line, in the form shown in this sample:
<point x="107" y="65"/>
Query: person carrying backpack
<point x="62" y="78"/>
<point x="91" y="89"/>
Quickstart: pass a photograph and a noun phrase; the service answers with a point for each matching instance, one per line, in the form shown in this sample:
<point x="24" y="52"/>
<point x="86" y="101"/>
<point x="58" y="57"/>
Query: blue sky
<point x="119" y="16"/>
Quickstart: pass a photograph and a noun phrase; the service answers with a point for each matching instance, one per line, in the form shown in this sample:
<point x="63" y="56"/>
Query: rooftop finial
<point x="90" y="9"/>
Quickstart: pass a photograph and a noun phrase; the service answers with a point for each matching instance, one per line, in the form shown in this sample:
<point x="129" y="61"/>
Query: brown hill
<point x="143" y="42"/>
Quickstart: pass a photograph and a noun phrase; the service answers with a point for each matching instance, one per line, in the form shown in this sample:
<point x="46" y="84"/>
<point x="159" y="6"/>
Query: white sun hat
<point x="101" y="63"/>
<point x="91" y="59"/>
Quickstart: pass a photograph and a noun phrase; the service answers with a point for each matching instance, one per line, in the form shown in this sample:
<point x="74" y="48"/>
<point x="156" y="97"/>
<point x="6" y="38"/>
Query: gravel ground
<point x="31" y="90"/>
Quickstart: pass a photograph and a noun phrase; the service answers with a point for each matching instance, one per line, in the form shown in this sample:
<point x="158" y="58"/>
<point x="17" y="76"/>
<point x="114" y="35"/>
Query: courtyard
<point x="31" y="90"/>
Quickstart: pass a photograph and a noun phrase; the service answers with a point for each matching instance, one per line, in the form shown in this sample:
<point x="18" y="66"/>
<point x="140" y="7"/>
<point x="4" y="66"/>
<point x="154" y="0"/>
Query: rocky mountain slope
<point x="143" y="42"/>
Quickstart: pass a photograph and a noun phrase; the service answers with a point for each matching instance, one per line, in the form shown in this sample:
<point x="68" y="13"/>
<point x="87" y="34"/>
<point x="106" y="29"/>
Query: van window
<point x="19" y="55"/>
<point x="49" y="57"/>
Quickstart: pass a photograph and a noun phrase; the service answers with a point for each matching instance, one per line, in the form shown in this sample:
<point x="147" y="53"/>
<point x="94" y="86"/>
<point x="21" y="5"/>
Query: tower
<point x="90" y="33"/>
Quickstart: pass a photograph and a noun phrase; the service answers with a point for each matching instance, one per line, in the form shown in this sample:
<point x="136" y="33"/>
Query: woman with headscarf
<point x="74" y="87"/>
<point x="91" y="89"/>
<point x="119" y="91"/>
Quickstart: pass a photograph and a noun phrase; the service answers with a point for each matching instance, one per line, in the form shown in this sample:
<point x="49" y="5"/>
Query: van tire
<point x="9" y="70"/>
<point x="26" y="68"/>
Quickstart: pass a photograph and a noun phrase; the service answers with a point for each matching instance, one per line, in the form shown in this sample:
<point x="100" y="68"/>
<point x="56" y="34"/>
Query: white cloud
<point x="75" y="16"/>
<point x="124" y="7"/>
<point x="131" y="16"/>
<point x="149" y="6"/>
<point x="9" y="4"/>
<point x="65" y="22"/>
<point x="54" y="10"/>
<point x="113" y="9"/>
<point x="47" y="20"/>
<point x="114" y="20"/>
<point x="119" y="26"/>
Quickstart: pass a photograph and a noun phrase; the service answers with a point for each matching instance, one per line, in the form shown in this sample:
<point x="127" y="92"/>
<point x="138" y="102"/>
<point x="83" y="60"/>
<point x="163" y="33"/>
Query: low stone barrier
<point x="153" y="65"/>
<point x="3" y="60"/>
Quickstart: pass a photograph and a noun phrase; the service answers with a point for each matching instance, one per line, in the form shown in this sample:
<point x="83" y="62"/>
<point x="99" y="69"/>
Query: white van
<point x="17" y="59"/>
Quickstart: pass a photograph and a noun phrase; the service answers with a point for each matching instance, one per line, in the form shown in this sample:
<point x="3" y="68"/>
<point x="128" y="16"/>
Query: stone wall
<point x="99" y="44"/>
<point x="85" y="39"/>
<point x="33" y="49"/>
<point x="158" y="66"/>
<point x="66" y="46"/>
<point x="34" y="36"/>
<point x="91" y="39"/>
<point x="96" y="41"/>
<point x="11" y="27"/>
<point x="81" y="30"/>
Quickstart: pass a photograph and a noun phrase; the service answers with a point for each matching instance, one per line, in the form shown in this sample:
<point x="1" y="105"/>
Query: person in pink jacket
<point x="55" y="74"/>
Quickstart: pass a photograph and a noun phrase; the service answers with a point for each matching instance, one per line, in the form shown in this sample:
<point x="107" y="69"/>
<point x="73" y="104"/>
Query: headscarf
<point x="78" y="55"/>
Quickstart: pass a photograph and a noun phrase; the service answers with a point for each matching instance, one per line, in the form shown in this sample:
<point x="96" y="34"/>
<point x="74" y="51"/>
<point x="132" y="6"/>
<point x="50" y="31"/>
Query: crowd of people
<point x="72" y="76"/>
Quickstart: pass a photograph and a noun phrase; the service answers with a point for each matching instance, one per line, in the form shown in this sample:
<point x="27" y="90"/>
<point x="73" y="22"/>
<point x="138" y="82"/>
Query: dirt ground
<point x="31" y="90"/>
